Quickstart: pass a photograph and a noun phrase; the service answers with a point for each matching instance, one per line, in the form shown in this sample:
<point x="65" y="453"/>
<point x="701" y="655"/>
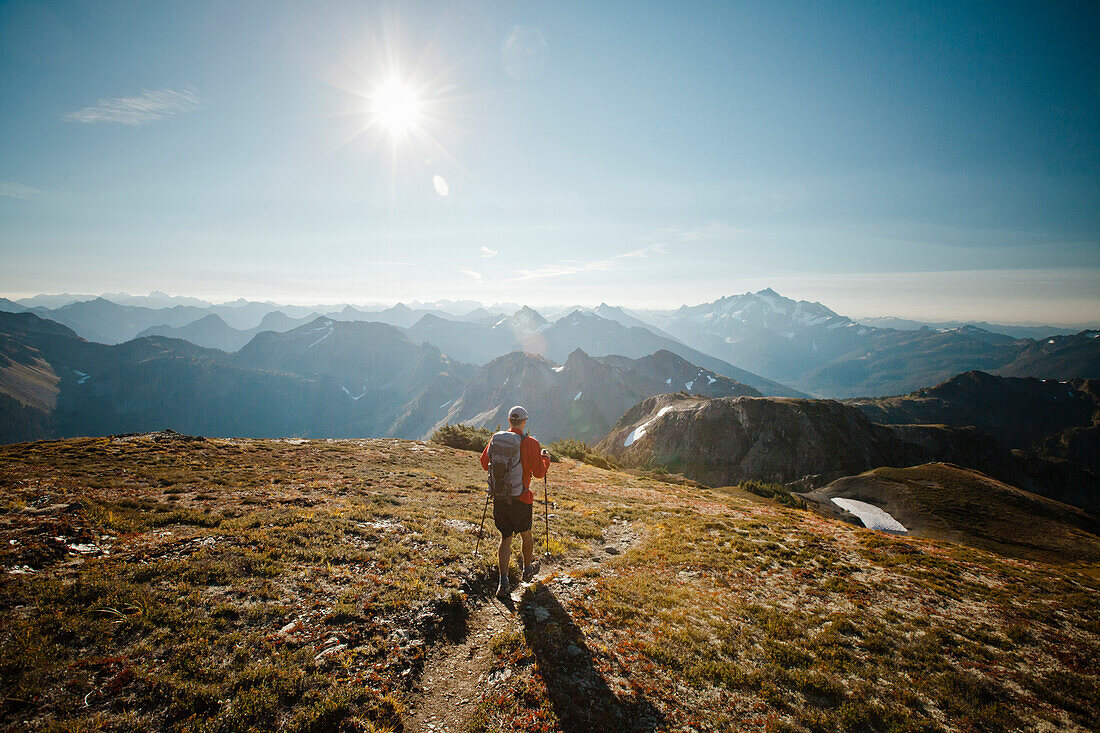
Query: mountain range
<point x="325" y="378"/>
<point x="57" y="384"/>
<point x="811" y="348"/>
<point x="584" y="396"/>
<point x="1019" y="331"/>
<point x="214" y="333"/>
<point x="777" y="345"/>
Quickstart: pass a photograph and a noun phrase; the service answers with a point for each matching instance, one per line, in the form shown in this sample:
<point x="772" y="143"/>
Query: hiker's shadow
<point x="582" y="698"/>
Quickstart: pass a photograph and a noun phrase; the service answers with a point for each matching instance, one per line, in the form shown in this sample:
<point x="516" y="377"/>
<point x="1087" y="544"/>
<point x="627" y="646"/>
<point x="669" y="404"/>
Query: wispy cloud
<point x="653" y="249"/>
<point x="712" y="230"/>
<point x="149" y="106"/>
<point x="474" y="274"/>
<point x="14" y="190"/>
<point x="486" y="252"/>
<point x="572" y="267"/>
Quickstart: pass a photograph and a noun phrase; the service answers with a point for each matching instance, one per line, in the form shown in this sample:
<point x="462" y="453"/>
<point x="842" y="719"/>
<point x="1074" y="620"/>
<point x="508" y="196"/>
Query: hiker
<point x="516" y="458"/>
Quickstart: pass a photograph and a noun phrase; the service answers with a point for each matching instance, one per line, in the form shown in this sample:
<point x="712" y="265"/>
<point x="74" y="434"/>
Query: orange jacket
<point x="534" y="464"/>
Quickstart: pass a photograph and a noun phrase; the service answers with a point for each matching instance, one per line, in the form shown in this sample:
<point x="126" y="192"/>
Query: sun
<point x="396" y="107"/>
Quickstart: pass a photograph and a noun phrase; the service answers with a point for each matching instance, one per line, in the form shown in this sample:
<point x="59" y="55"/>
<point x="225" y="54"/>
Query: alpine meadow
<point x="467" y="366"/>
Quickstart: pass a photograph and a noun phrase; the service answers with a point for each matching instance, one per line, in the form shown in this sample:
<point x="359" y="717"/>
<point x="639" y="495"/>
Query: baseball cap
<point x="517" y="413"/>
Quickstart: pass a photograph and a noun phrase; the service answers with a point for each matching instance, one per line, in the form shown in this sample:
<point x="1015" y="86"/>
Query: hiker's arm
<point x="485" y="458"/>
<point x="535" y="459"/>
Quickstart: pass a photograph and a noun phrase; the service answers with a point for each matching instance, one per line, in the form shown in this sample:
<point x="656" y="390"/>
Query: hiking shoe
<point x="530" y="572"/>
<point x="504" y="590"/>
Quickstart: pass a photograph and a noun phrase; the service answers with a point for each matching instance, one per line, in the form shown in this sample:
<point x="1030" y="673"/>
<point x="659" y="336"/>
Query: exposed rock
<point x="724" y="441"/>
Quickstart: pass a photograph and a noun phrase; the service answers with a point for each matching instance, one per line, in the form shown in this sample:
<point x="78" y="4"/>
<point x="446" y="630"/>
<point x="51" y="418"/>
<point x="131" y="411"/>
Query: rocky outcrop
<point x="810" y="442"/>
<point x="724" y="441"/>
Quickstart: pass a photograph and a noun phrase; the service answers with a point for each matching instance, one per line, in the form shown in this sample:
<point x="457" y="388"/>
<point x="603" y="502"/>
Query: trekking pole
<point x="483" y="513"/>
<point x="545" y="515"/>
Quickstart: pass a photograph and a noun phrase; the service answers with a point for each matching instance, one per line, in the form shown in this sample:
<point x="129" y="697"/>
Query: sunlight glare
<point x="396" y="108"/>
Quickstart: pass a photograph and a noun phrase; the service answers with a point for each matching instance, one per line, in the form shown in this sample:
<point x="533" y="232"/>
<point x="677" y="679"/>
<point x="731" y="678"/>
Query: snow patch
<point x="639" y="431"/>
<point x="688" y="384"/>
<point x="871" y="516"/>
<point x="327" y="334"/>
<point x="669" y="381"/>
<point x="83" y="376"/>
<point x="354" y="397"/>
<point x="559" y="368"/>
<point x="711" y="380"/>
<point x="577" y="396"/>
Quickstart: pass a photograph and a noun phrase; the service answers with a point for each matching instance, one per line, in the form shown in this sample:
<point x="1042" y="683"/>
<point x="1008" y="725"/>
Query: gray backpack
<point x="505" y="465"/>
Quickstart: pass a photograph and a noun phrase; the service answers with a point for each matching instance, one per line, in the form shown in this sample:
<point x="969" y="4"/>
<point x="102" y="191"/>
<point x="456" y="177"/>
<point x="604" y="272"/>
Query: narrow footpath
<point x="455" y="674"/>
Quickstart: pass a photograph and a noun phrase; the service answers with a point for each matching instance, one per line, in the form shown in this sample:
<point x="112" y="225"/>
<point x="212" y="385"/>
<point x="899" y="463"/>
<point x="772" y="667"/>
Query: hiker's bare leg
<point x="528" y="540"/>
<point x="505" y="554"/>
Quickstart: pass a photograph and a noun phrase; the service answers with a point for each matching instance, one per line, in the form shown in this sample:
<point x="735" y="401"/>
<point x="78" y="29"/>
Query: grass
<point x="201" y="555"/>
<point x="270" y="585"/>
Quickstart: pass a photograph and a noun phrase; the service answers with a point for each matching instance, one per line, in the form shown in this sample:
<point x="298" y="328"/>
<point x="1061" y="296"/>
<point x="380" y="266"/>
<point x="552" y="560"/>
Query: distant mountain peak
<point x="524" y="320"/>
<point x="578" y="356"/>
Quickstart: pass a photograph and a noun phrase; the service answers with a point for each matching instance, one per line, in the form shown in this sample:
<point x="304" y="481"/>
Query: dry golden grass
<point x="295" y="585"/>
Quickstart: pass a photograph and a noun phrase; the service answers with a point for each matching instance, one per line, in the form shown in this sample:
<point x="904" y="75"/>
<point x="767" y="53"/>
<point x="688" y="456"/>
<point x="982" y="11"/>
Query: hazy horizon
<point x="933" y="162"/>
<point x="507" y="306"/>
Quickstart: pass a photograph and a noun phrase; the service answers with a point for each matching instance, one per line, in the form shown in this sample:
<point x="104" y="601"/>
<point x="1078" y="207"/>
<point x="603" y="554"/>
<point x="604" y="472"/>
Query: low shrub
<point x="463" y="437"/>
<point x="772" y="491"/>
<point x="579" y="451"/>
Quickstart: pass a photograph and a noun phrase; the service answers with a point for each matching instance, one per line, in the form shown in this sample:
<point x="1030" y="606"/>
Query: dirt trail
<point x="455" y="674"/>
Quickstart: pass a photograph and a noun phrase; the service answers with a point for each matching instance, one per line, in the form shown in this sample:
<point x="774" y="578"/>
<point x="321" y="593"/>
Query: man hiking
<point x="512" y="458"/>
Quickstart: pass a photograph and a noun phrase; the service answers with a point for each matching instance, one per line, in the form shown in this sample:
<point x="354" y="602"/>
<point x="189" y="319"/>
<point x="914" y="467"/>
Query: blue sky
<point x="915" y="159"/>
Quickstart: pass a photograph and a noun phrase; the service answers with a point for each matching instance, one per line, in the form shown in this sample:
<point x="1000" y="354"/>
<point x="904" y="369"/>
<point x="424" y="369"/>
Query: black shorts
<point x="511" y="517"/>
